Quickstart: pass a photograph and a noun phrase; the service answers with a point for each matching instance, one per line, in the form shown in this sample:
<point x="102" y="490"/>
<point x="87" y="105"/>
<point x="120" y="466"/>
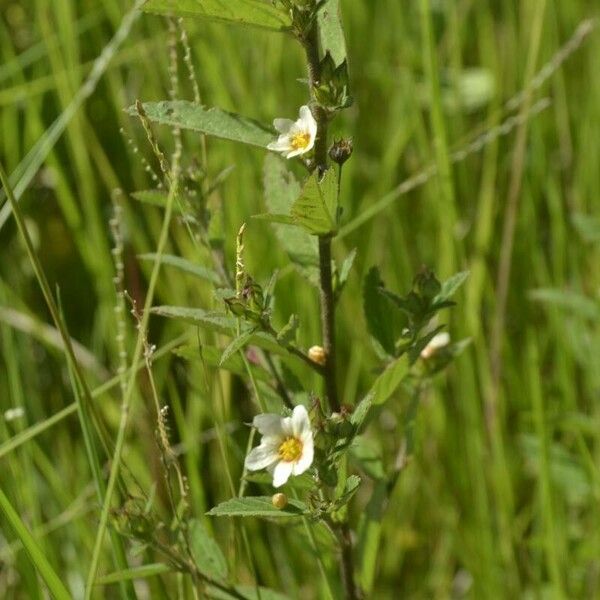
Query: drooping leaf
<point x="331" y="31"/>
<point x="255" y="13"/>
<point x="316" y="207"/>
<point x="184" y="265"/>
<point x="258" y="506"/>
<point x="211" y="121"/>
<point x="212" y="321"/>
<point x="206" y="552"/>
<point x="236" y="344"/>
<point x="287" y="334"/>
<point x="281" y="190"/>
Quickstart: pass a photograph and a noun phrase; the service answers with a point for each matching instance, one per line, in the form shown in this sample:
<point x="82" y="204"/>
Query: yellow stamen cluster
<point x="299" y="140"/>
<point x="290" y="449"/>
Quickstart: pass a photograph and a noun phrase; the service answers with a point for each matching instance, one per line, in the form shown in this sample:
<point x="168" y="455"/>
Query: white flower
<point x="286" y="447"/>
<point x="295" y="137"/>
<point x="437" y="342"/>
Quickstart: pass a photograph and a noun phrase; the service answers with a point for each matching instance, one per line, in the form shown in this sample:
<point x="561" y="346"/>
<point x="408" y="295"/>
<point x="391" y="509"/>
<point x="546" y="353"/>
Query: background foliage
<point x="500" y="497"/>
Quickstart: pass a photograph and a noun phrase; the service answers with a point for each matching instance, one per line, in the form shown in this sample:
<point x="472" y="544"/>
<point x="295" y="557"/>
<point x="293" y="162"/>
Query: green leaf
<point x="184" y="265"/>
<point x="379" y="312"/>
<point x="212" y="321"/>
<point x="587" y="226"/>
<point x="247" y="592"/>
<point x="255" y="13"/>
<point x="450" y="286"/>
<point x="236" y="344"/>
<point x="287" y="334"/>
<point x="275" y="218"/>
<point x="347" y="267"/>
<point x="38" y="558"/>
<point x="316" y="208"/>
<point x="206" y="552"/>
<point x="331" y="31"/>
<point x="134" y="573"/>
<point x="572" y="301"/>
<point x="281" y="190"/>
<point x="350" y="488"/>
<point x="387" y="383"/>
<point x="154" y="198"/>
<point x="211" y="121"/>
<point x="258" y="506"/>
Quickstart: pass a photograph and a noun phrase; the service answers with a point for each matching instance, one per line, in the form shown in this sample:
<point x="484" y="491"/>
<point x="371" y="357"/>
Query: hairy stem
<point x="311" y="46"/>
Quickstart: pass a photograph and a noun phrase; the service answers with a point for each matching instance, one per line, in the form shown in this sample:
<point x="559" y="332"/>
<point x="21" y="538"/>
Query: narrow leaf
<point x="134" y="573"/>
<point x="184" y="265"/>
<point x="237" y="344"/>
<point x="154" y="198"/>
<point x="257" y="506"/>
<point x="378" y="312"/>
<point x="255" y="13"/>
<point x="211" y="121"/>
<point x="572" y="301"/>
<point x="212" y="321"/>
<point x="387" y="383"/>
<point x="275" y="218"/>
<point x="450" y="286"/>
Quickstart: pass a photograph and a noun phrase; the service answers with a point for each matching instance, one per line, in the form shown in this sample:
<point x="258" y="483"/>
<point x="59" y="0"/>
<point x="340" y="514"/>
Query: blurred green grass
<point x="495" y="503"/>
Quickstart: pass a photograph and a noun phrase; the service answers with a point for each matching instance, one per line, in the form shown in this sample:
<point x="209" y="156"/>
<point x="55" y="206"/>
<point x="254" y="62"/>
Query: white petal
<point x="268" y="424"/>
<point x="296" y="152"/>
<point x="281" y="473"/>
<point x="307" y="121"/>
<point x="306" y="459"/>
<point x="280" y="145"/>
<point x="283" y="125"/>
<point x="287" y="427"/>
<point x="440" y="340"/>
<point x="261" y="457"/>
<point x="300" y="421"/>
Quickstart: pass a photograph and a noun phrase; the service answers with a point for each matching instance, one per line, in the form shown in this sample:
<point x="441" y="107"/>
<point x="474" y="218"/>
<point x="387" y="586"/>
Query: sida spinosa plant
<point x="309" y="434"/>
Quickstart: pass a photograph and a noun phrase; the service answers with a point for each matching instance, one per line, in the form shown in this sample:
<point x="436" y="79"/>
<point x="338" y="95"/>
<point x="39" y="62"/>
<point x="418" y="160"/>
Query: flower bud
<point x="341" y="151"/>
<point x="317" y="354"/>
<point x="279" y="500"/>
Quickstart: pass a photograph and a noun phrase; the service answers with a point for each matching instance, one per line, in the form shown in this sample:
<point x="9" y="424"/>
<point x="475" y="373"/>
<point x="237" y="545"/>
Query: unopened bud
<point x="318" y="355"/>
<point x="279" y="500"/>
<point x="439" y="341"/>
<point x="341" y="151"/>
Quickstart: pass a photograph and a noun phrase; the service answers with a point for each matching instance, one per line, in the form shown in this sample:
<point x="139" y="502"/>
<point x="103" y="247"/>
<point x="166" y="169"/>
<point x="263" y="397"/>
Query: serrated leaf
<point x="254" y="13"/>
<point x="281" y="190"/>
<point x="184" y="265"/>
<point x="316" y="207"/>
<point x="258" y="506"/>
<point x="450" y="286"/>
<point x="275" y="218"/>
<point x="331" y="31"/>
<point x="212" y="321"/>
<point x="378" y="312"/>
<point x="210" y="121"/>
<point x="387" y="383"/>
<point x="206" y="552"/>
<point x="236" y="344"/>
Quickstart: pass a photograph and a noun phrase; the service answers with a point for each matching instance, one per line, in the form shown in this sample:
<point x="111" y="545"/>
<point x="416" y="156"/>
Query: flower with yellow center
<point x="286" y="447"/>
<point x="296" y="137"/>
